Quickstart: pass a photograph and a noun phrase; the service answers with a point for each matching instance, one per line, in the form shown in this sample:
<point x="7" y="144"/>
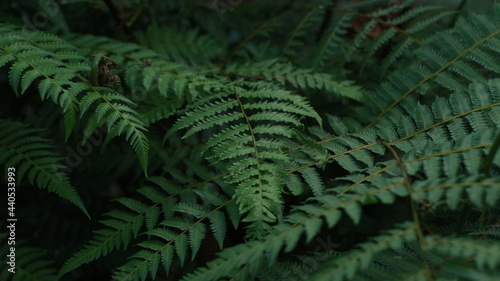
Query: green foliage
<point x="259" y="121"/>
<point x="372" y="124"/>
<point x="297" y="78"/>
<point x="185" y="228"/>
<point x="55" y="62"/>
<point x="21" y="147"/>
<point x="31" y="264"/>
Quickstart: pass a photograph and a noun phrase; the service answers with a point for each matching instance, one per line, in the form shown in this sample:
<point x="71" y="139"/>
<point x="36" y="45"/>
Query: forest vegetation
<point x="250" y="140"/>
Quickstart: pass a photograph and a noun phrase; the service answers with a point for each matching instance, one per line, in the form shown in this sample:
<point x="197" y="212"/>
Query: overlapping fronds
<point x="374" y="124"/>
<point x="59" y="72"/>
<point x="395" y="21"/>
<point x="427" y="152"/>
<point x="255" y="123"/>
<point x="172" y="219"/>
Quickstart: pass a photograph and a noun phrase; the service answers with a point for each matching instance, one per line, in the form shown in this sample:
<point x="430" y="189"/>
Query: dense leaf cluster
<point x="233" y="149"/>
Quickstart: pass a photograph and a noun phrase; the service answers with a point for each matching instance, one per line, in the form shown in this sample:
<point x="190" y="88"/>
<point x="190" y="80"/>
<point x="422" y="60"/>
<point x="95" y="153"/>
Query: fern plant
<point x="56" y="64"/>
<point x="21" y="147"/>
<point x="370" y="124"/>
<point x="32" y="264"/>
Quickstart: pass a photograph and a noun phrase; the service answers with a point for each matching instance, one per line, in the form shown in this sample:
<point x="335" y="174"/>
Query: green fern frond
<point x="114" y="111"/>
<point x="374" y="29"/>
<point x="47" y="59"/>
<point x="171" y="80"/>
<point x="286" y="74"/>
<point x="121" y="229"/>
<point x="30" y="263"/>
<point x="413" y="34"/>
<point x="173" y="225"/>
<point x="144" y="67"/>
<point x="156" y="108"/>
<point x="359" y="139"/>
<point x="345" y="267"/>
<point x="331" y="40"/>
<point x="410" y="137"/>
<point x="176" y="241"/>
<point x="120" y="52"/>
<point x="306" y="220"/>
<point x="32" y="157"/>
<point x="310" y="19"/>
<point x="485" y="254"/>
<point x="451" y="155"/>
<point x="62" y="81"/>
<point x="251" y="143"/>
<point x="178" y="234"/>
<point x="188" y="47"/>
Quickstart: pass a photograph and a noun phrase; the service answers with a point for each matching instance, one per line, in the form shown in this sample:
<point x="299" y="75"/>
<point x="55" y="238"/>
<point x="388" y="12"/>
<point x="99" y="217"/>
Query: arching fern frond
<point x="346" y="266"/>
<point x="55" y="64"/>
<point x="32" y="157"/>
<point x="309" y="20"/>
<point x="148" y="73"/>
<point x="36" y="56"/>
<point x="441" y="144"/>
<point x="382" y="24"/>
<point x="114" y="111"/>
<point x="306" y="220"/>
<point x="170" y="215"/>
<point x="120" y="52"/>
<point x="452" y="61"/>
<point x="30" y="264"/>
<point x="286" y="74"/>
<point x="255" y="124"/>
<point x="407" y="161"/>
<point x="439" y="256"/>
<point x="413" y="34"/>
<point x="430" y="152"/>
<point x="331" y="40"/>
<point x="483" y="254"/>
<point x="176" y="82"/>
